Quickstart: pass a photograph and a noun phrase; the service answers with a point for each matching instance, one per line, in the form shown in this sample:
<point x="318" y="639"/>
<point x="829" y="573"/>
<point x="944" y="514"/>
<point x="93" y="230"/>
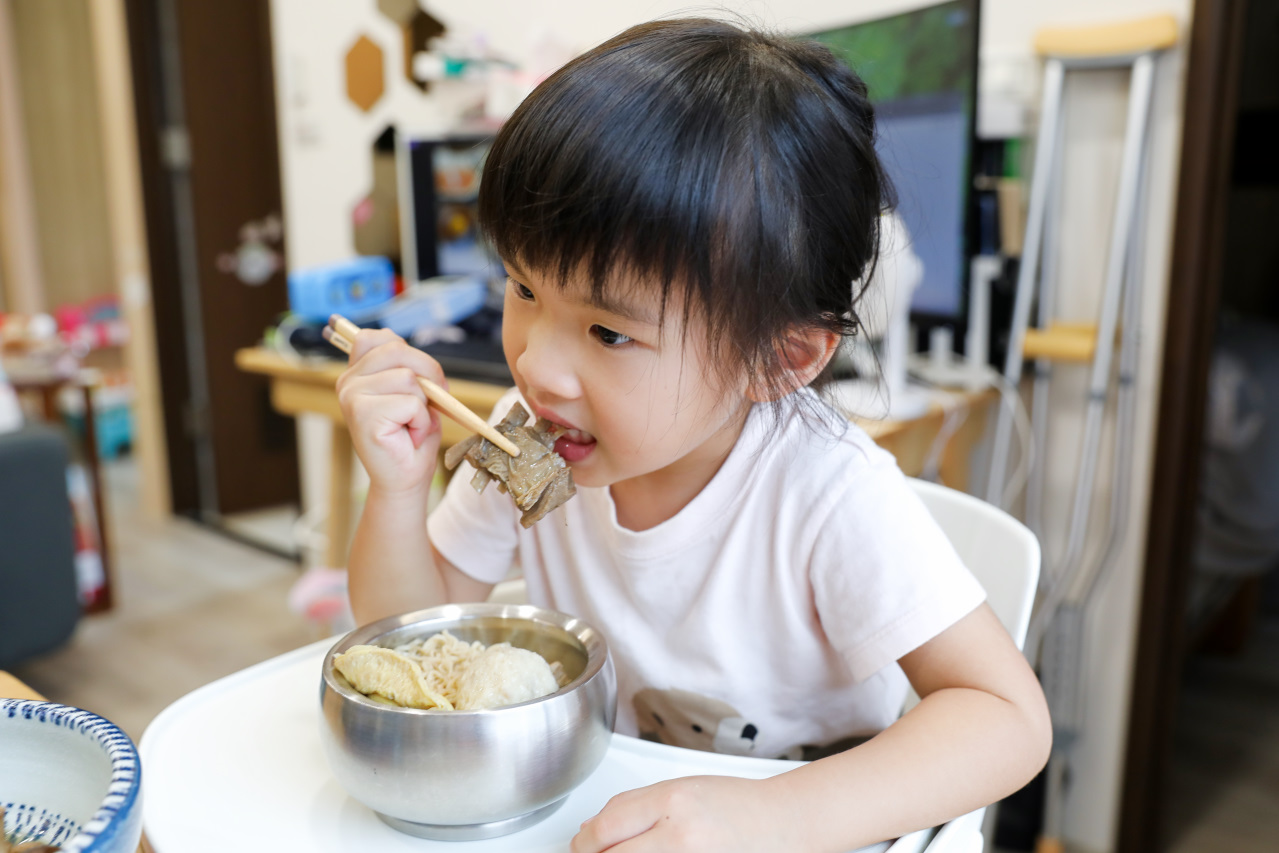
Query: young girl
<point x="682" y="213"/>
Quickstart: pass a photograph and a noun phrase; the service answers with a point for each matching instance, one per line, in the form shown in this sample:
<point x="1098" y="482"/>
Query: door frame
<point x="204" y="204"/>
<point x="160" y="220"/>
<point x="1208" y="130"/>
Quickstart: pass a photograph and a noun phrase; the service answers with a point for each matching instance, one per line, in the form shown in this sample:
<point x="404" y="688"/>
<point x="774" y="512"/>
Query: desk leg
<point x="106" y="600"/>
<point x="341" y="459"/>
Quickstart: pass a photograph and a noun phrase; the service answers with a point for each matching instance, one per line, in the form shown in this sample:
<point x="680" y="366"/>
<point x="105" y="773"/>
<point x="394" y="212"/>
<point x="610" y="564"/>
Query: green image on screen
<point x="926" y="52"/>
<point x="920" y="70"/>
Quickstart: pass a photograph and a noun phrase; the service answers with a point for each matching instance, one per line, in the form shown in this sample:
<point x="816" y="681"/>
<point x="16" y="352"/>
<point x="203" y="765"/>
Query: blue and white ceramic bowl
<point x="68" y="778"/>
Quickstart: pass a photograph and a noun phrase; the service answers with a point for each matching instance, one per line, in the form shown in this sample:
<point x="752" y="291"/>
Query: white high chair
<point x="999" y="550"/>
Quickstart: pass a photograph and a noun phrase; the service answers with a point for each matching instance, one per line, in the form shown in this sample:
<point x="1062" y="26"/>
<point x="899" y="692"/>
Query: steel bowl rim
<point x="597" y="653"/>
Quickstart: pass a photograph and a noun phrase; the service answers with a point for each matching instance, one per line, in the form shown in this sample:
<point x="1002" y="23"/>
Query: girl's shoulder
<point x="815" y="443"/>
<point x="812" y="465"/>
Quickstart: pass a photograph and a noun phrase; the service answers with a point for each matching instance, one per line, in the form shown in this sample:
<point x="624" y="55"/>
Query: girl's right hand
<point x="396" y="436"/>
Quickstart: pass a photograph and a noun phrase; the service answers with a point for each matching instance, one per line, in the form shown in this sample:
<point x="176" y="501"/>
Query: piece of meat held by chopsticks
<point x="538" y="479"/>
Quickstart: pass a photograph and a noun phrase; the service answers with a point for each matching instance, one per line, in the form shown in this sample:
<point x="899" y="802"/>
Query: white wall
<point x="325" y="142"/>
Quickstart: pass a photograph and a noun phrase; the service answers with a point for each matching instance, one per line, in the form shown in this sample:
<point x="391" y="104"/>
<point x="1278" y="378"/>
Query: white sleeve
<point x="885" y="578"/>
<point x="478" y="533"/>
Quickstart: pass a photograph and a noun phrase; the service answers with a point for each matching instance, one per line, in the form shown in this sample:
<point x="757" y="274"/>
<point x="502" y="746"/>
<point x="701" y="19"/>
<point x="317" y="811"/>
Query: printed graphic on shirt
<point x="680" y="718"/>
<point x="693" y="721"/>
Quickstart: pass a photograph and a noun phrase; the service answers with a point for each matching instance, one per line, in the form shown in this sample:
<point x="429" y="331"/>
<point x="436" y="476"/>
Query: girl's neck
<point x="646" y="501"/>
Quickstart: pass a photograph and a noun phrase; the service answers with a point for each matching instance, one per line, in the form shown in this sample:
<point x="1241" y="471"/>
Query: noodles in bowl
<point x="446" y="673"/>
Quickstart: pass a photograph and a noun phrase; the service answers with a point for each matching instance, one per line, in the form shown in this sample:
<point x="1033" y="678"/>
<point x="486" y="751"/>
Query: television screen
<point x="440" y="233"/>
<point x="921" y="70"/>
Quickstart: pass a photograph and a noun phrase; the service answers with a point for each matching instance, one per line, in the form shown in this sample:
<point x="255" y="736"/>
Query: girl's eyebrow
<point x="623" y="309"/>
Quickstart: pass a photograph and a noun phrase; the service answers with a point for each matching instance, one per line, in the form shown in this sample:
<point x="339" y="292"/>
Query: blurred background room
<point x="188" y="189"/>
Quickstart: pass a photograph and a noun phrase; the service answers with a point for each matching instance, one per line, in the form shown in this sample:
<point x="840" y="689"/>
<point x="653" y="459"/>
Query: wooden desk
<point x="910" y="441"/>
<point x="307" y="387"/>
<point x="12" y="688"/>
<point x="299" y="387"/>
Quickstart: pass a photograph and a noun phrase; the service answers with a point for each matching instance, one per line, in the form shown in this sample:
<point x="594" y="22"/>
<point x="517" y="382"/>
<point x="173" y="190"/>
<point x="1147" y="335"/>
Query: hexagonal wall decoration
<point x="419" y="30"/>
<point x="399" y="11"/>
<point x="365" y="80"/>
<point x="418" y="27"/>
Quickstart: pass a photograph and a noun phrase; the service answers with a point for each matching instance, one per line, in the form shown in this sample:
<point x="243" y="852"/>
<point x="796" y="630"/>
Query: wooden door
<point x="205" y="97"/>
<point x="1208" y="131"/>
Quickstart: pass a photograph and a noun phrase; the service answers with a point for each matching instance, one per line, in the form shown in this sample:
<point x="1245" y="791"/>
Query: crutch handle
<point x="1062" y="342"/>
<point x="1141" y="35"/>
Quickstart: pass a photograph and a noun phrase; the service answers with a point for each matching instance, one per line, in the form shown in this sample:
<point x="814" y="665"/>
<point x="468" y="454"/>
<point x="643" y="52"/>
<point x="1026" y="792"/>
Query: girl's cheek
<point x="514" y="333"/>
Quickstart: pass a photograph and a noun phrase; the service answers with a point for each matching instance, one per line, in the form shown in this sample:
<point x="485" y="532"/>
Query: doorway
<point x="1207" y="666"/>
<point x="205" y="96"/>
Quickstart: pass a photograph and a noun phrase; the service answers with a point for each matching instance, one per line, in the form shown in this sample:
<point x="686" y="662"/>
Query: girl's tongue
<point x="574" y="445"/>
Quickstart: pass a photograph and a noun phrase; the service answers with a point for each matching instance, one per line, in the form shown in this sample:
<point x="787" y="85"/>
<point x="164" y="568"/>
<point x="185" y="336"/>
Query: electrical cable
<point x="1009" y="397"/>
<point x="956" y="411"/>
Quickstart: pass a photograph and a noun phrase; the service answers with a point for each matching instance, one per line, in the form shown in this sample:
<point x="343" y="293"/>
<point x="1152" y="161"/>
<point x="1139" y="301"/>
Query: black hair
<point x="733" y="167"/>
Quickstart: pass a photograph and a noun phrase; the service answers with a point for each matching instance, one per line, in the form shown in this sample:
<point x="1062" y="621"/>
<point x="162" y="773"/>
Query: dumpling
<point x="504" y="675"/>
<point x="373" y="670"/>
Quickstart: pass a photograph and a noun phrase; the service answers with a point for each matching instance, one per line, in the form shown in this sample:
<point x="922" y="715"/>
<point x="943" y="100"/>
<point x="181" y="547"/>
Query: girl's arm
<point x="980" y="732"/>
<point x="392" y="566"/>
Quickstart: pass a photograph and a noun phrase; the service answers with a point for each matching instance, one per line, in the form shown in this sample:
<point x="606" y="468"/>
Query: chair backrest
<point x="999" y="550"/>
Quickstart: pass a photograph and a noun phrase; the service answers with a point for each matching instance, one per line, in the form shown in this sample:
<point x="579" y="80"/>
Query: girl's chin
<point x="587" y="474"/>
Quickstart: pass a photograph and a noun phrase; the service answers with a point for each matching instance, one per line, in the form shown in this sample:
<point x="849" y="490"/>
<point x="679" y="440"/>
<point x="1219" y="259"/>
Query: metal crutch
<point x="1111" y="46"/>
<point x="1133" y="45"/>
<point x="1062" y="651"/>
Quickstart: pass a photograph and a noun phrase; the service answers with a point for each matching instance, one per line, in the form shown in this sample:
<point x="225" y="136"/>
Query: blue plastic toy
<point x="352" y="288"/>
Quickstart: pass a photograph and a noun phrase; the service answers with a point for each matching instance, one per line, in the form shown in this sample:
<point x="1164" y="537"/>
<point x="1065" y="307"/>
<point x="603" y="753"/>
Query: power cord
<point x="946" y="378"/>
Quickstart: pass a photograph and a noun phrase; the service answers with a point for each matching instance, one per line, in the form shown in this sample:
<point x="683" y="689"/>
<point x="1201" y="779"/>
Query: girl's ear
<point x="802" y="355"/>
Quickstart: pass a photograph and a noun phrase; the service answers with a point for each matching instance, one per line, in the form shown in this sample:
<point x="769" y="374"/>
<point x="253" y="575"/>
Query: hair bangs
<point x="731" y="169"/>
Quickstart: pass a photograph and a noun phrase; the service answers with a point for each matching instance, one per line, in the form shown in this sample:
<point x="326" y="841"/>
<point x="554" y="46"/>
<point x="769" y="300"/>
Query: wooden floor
<point x="1224" y="785"/>
<point x="192" y="606"/>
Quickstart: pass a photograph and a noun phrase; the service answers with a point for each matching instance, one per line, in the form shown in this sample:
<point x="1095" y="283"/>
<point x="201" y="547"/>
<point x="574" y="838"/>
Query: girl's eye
<point x="521" y="291"/>
<point x="608" y="337"/>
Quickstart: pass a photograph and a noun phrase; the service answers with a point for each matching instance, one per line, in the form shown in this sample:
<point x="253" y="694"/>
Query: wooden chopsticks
<point x="341" y="333"/>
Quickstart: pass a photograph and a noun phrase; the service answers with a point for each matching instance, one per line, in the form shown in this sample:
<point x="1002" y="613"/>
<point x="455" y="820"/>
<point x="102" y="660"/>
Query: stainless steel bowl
<point x="462" y="775"/>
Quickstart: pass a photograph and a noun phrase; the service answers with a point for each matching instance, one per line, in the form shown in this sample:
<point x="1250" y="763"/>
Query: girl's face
<point x="640" y="399"/>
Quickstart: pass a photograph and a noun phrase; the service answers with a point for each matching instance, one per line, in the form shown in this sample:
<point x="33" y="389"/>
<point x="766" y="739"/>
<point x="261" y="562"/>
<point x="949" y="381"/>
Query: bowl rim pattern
<point x="123" y="790"/>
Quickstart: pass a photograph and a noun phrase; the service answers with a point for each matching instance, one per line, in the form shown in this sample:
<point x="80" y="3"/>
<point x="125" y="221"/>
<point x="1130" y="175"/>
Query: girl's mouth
<point x="574" y="445"/>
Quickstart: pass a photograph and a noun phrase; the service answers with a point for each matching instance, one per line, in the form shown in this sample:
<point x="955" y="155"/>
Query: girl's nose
<point x="547" y="365"/>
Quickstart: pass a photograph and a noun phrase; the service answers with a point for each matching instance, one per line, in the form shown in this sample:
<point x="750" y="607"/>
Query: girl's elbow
<point x="1039" y="734"/>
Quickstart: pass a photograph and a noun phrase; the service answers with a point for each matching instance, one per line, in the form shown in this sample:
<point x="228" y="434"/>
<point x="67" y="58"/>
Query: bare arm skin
<point x="393" y="568"/>
<point x="980" y="732"/>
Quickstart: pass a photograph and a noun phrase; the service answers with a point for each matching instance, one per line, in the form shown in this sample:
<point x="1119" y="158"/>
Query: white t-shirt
<point x="769" y="613"/>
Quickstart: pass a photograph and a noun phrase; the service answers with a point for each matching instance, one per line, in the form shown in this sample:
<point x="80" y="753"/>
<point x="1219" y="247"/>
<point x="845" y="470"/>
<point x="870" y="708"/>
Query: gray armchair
<point x="39" y="607"/>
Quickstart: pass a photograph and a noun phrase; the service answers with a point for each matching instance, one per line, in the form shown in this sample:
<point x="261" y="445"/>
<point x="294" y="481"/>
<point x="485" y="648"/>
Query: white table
<point x="237" y="764"/>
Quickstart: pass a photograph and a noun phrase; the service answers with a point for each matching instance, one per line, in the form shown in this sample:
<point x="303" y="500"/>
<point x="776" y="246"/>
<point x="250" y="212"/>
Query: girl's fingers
<point x="379" y="349"/>
<point x="388" y="414"/>
<point x="621" y="819"/>
<point x="395" y="380"/>
<point x="368" y="339"/>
